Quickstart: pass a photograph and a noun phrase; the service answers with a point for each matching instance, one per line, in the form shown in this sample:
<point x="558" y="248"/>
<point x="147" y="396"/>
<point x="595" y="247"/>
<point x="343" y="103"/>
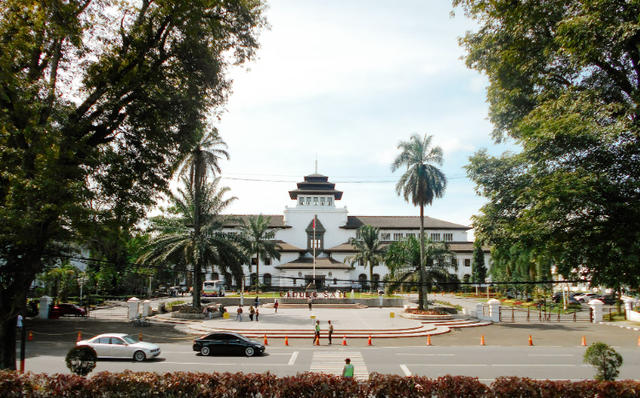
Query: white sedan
<point x="120" y="345"/>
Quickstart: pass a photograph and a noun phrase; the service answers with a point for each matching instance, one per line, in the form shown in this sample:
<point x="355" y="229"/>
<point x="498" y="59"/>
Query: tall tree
<point x="100" y="104"/>
<point x="195" y="166"/>
<point x="369" y="251"/>
<point x="403" y="260"/>
<point x="564" y="85"/>
<point x="173" y="239"/>
<point x="259" y="240"/>
<point x="420" y="184"/>
<point x="478" y="268"/>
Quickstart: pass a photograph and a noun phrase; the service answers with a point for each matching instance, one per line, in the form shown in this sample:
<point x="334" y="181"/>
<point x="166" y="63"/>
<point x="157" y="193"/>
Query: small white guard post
<point x="494" y="310"/>
<point x="45" y="303"/>
<point x="146" y="308"/>
<point x="596" y="306"/>
<point x="629" y="303"/>
<point x="134" y="302"/>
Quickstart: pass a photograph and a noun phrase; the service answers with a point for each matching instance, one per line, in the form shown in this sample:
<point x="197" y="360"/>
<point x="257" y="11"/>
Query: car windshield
<point x="129" y="339"/>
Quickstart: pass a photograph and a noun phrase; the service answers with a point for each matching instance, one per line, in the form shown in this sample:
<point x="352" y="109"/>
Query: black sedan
<point x="225" y="343"/>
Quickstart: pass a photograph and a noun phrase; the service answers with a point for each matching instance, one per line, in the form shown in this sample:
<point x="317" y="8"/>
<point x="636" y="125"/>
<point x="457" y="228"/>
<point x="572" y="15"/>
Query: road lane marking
<point x="530" y="365"/>
<point x="551" y="355"/>
<point x="405" y="370"/>
<point x="450" y="365"/>
<point x="332" y="362"/>
<point x="294" y="356"/>
<point x="220" y="364"/>
<point x="427" y="355"/>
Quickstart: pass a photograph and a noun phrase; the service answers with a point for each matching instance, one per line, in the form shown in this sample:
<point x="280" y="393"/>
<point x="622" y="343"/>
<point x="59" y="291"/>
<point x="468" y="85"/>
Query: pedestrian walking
<point x="330" y="331"/>
<point x="257" y="314"/>
<point x="316" y="338"/>
<point x="275" y="305"/>
<point x="256" y="302"/>
<point x="19" y="323"/>
<point x="310" y="302"/>
<point x="252" y="311"/>
<point x="239" y="316"/>
<point x="348" y="369"/>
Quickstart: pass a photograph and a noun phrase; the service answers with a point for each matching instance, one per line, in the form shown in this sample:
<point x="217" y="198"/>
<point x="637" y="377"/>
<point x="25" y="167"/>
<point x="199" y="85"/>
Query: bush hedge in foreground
<point x="303" y="385"/>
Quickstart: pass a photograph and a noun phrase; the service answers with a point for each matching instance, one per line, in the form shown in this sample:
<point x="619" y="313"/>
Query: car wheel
<point x="249" y="351"/>
<point x="205" y="351"/>
<point x="139" y="356"/>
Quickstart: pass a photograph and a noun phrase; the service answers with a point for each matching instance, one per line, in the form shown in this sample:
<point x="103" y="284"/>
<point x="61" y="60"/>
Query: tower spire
<point x="316" y="163"/>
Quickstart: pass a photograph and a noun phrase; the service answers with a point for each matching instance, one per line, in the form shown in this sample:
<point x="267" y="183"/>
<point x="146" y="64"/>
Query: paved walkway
<point x="351" y="322"/>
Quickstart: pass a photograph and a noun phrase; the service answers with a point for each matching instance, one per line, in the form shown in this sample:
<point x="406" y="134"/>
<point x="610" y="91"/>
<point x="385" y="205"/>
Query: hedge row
<point x="303" y="385"/>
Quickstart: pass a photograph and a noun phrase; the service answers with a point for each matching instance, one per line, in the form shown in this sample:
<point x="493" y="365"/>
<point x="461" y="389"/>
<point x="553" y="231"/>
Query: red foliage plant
<point x="303" y="385"/>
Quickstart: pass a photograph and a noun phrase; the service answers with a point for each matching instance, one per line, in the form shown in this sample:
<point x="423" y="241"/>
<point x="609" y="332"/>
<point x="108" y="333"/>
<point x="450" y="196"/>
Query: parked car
<point x="226" y="343"/>
<point x="70" y="309"/>
<point x="609" y="299"/>
<point x="585" y="298"/>
<point x="121" y="345"/>
<point x="557" y="298"/>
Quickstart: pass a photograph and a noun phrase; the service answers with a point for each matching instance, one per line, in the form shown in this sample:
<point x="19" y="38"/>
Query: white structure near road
<point x="316" y="196"/>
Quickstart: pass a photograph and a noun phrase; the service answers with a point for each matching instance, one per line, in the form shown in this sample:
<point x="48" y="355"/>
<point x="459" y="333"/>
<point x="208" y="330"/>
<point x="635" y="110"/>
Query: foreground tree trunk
<point x="422" y="299"/>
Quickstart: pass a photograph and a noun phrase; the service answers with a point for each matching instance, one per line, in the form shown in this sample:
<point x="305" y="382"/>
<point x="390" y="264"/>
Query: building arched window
<point x="376" y="281"/>
<point x="362" y="279"/>
<point x="228" y="280"/>
<point x="267" y="279"/>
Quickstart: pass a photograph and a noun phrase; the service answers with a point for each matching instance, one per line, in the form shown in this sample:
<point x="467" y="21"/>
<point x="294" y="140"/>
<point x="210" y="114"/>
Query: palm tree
<point x="259" y="240"/>
<point x="403" y="261"/>
<point x="420" y="184"/>
<point x="196" y="165"/>
<point x="174" y="239"/>
<point x="367" y="244"/>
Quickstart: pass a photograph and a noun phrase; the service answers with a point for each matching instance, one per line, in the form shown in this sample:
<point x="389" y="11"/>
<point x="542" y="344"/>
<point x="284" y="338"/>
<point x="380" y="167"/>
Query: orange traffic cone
<point x="344" y="340"/>
<point x="140" y="337"/>
<point x="317" y="340"/>
<point x="369" y="342"/>
<point x="530" y="340"/>
<point x="482" y="339"/>
<point x="79" y="335"/>
<point x="265" y="340"/>
<point x="31" y="337"/>
<point x="584" y="341"/>
<point x="286" y="340"/>
<point x="638" y="341"/>
<point x="428" y="339"/>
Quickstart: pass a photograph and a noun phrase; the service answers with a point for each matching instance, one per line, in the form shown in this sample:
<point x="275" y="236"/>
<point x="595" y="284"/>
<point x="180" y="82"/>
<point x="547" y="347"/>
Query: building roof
<point x="307" y="263"/>
<point x="315" y="184"/>
<point x="399" y="222"/>
<point x="235" y="220"/>
<point x="287" y="247"/>
<point x="458" y="247"/>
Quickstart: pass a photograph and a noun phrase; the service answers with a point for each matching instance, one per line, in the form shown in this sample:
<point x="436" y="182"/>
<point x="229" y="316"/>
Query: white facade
<point x="316" y="196"/>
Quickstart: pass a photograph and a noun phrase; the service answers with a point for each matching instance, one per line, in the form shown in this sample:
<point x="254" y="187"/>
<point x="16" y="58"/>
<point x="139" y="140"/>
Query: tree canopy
<point x="564" y="79"/>
<point x="174" y="241"/>
<point x="369" y="251"/>
<point x="420" y="184"/>
<point x="403" y="260"/>
<point x="98" y="100"/>
<point x="258" y="238"/>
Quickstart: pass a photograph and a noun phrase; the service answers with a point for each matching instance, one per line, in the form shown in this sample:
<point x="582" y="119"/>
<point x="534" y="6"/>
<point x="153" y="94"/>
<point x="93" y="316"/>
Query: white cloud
<point x="347" y="81"/>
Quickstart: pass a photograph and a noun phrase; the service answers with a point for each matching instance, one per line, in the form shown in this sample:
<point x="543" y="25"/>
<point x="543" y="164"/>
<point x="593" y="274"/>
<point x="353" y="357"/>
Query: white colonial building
<point x="316" y="196"/>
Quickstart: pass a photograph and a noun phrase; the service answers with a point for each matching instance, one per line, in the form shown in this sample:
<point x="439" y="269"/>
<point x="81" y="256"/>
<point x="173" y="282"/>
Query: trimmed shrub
<point x="605" y="359"/>
<point x="81" y="360"/>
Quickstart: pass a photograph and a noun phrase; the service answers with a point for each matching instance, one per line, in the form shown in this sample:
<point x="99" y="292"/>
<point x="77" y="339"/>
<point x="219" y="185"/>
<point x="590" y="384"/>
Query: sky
<point x="345" y="82"/>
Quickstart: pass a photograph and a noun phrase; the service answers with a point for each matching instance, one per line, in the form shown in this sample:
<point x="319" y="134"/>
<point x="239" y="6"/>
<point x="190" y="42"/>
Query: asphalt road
<point x="556" y="354"/>
<point x="484" y="362"/>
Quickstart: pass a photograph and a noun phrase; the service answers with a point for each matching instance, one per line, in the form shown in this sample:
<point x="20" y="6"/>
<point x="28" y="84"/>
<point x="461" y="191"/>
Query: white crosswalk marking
<point x="332" y="362"/>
